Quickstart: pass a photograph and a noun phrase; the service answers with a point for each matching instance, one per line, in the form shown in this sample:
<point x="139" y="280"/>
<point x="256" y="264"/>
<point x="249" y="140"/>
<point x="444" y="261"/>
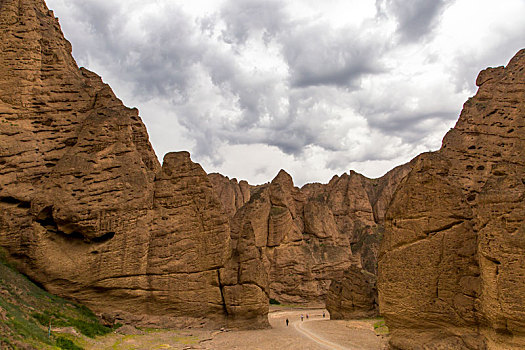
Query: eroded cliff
<point x="452" y="268"/>
<point x="309" y="236"/>
<point x="87" y="210"/>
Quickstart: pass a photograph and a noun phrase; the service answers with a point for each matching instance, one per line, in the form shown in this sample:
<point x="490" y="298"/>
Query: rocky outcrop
<point x="87" y="210"/>
<point x="353" y="297"/>
<point x="274" y="217"/>
<point x="232" y="193"/>
<point x="358" y="206"/>
<point x="452" y="263"/>
<point x="310" y="236"/>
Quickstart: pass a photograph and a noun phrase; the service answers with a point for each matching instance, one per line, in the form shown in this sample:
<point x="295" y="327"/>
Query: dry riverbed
<point x="314" y="332"/>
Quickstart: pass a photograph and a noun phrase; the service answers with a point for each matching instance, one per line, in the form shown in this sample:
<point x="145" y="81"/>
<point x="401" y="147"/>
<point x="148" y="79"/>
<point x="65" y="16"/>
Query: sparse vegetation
<point x="274" y="302"/>
<point x="186" y="340"/>
<point x="89" y="325"/>
<point x="67" y="344"/>
<point x="380" y="327"/>
<point x="26" y="309"/>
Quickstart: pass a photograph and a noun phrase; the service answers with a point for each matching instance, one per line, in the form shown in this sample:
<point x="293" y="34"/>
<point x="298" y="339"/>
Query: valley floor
<point x="313" y="333"/>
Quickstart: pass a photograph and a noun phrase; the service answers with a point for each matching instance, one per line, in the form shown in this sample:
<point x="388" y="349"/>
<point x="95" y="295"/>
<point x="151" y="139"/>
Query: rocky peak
<point x="233" y="194"/>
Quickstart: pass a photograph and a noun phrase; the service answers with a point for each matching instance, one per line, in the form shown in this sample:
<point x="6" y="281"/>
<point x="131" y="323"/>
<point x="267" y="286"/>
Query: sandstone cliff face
<point x="297" y="265"/>
<point x="452" y="268"/>
<point x="233" y="194"/>
<point x="87" y="210"/>
<point x="355" y="296"/>
<point x="308" y="237"/>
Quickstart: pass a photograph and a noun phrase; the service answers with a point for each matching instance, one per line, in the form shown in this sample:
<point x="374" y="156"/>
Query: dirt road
<point x="312" y="333"/>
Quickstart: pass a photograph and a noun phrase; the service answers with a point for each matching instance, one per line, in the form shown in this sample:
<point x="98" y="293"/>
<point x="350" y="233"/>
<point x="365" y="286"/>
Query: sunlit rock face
<point x="452" y="262"/>
<point x="86" y="209"/>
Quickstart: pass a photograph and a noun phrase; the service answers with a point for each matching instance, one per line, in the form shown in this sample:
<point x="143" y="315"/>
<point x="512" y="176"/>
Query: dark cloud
<point x="466" y="67"/>
<point x="412" y="127"/>
<point x="416" y="18"/>
<point x="253" y="17"/>
<point x="319" y="55"/>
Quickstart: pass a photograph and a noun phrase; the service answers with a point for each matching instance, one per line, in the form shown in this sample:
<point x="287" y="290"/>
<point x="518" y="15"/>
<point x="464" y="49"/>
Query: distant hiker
<point x="287" y="322"/>
<point x="323" y="314"/>
<point x="301" y="317"/>
<point x="306" y="316"/>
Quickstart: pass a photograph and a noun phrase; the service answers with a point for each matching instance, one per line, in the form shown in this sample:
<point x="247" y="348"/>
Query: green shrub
<point x="64" y="343"/>
<point x="90" y="328"/>
<point x="274" y="302"/>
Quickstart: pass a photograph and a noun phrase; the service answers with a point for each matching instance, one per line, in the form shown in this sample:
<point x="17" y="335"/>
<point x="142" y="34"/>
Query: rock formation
<point x="87" y="210"/>
<point x="310" y="236"/>
<point x="452" y="263"/>
<point x="355" y="296"/>
<point x="232" y="194"/>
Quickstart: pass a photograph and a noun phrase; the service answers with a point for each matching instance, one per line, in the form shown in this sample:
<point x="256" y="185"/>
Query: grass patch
<point x="22" y="326"/>
<point x="6" y="344"/>
<point x="67" y="344"/>
<point x="89" y="326"/>
<point x="27" y="309"/>
<point x="380" y="327"/>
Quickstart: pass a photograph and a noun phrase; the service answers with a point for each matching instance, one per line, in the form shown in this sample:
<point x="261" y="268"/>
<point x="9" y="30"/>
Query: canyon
<point x="436" y="245"/>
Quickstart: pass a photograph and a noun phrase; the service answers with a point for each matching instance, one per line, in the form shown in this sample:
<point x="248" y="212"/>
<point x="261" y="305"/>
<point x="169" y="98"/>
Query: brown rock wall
<point x="232" y="193"/>
<point x="451" y="267"/>
<point x="87" y="210"/>
<point x="354" y="297"/>
<point x="310" y="236"/>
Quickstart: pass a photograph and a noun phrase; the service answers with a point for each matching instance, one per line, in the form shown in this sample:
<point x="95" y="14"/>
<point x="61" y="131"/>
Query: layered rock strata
<point x="452" y="263"/>
<point x="87" y="210"/>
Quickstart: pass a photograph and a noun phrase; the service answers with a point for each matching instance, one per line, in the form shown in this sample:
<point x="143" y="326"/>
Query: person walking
<point x="301" y="317"/>
<point x="287" y="322"/>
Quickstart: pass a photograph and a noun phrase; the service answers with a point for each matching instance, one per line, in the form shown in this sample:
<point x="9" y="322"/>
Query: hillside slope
<point x="26" y="311"/>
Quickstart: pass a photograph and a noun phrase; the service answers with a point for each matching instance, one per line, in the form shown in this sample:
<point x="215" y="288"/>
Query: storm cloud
<point x="415" y="19"/>
<point x="252" y="86"/>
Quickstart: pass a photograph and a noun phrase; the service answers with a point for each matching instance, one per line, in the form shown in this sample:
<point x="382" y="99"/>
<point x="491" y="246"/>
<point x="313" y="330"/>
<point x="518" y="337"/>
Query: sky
<point x="317" y="88"/>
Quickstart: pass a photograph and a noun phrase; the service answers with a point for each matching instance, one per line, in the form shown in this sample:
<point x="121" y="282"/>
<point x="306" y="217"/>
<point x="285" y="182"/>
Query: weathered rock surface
<point x="87" y="210"/>
<point x="232" y="193"/>
<point x="308" y="237"/>
<point x="355" y="296"/>
<point x="358" y="206"/>
<point x="452" y="263"/>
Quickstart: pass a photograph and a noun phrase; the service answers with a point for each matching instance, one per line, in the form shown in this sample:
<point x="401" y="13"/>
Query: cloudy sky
<point x="314" y="87"/>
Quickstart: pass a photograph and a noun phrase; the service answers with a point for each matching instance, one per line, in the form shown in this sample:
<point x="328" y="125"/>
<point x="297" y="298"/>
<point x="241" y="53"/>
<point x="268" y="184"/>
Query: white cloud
<point x="317" y="88"/>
